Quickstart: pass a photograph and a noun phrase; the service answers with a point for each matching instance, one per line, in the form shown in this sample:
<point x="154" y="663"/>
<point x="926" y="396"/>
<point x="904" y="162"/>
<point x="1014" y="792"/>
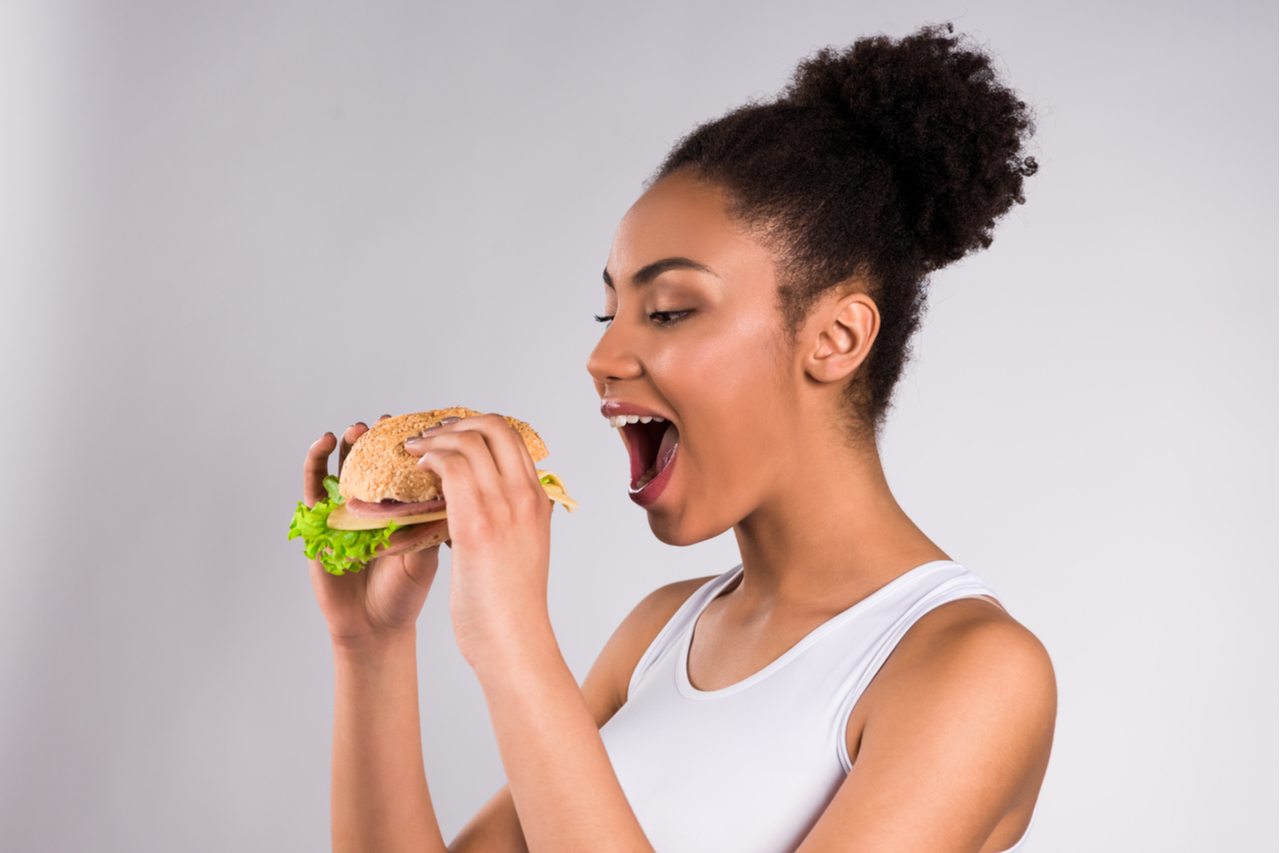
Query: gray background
<point x="227" y="227"/>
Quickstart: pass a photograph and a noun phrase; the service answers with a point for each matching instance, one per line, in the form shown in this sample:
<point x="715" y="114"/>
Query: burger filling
<point x="391" y="508"/>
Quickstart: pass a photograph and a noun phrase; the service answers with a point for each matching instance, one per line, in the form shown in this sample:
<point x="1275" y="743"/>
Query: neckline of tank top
<point x="686" y="687"/>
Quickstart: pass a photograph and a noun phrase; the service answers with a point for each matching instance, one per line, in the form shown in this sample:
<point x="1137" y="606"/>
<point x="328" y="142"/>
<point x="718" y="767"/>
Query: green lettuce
<point x="338" y="551"/>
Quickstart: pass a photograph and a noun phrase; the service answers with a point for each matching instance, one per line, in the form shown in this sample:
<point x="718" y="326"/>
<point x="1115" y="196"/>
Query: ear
<point x="840" y="333"/>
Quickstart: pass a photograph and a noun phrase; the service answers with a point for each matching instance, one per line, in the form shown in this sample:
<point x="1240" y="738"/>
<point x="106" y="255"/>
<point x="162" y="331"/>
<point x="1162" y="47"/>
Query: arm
<point x="949" y="743"/>
<point x="561" y="782"/>
<point x="496" y="827"/>
<point x="379" y="798"/>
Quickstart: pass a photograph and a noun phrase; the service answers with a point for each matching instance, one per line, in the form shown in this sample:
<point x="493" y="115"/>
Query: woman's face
<point x="696" y="340"/>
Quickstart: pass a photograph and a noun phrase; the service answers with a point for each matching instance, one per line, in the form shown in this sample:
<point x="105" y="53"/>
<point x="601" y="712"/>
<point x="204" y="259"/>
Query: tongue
<point x="667" y="448"/>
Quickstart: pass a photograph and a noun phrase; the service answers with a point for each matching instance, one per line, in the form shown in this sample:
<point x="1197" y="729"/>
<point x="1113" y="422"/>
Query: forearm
<point x="379" y="797"/>
<point x="565" y="791"/>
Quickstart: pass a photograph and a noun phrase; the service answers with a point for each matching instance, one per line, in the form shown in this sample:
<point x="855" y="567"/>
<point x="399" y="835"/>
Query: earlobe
<point x="843" y="335"/>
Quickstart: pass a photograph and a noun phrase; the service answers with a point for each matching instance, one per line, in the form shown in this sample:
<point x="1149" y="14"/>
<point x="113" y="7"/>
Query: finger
<point x="467" y="472"/>
<point x="504" y="445"/>
<point x="507" y="446"/>
<point x="349" y="437"/>
<point x="418" y="444"/>
<point x="471" y="445"/>
<point x="479" y="499"/>
<point x="316" y="468"/>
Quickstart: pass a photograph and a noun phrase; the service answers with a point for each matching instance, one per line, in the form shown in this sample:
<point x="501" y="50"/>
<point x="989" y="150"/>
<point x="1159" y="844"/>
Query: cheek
<point x="730" y="389"/>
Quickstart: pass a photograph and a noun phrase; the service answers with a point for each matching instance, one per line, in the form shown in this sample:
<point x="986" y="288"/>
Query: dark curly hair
<point x="880" y="163"/>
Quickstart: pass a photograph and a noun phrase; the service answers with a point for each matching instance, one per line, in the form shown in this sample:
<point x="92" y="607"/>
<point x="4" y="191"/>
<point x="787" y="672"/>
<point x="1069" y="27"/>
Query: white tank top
<point x="749" y="768"/>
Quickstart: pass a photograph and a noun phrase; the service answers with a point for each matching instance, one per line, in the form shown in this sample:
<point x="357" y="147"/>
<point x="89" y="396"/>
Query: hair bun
<point x="933" y="109"/>
<point x="879" y="163"/>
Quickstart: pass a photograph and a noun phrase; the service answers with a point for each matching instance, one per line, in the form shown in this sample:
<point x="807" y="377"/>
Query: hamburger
<point x="382" y="504"/>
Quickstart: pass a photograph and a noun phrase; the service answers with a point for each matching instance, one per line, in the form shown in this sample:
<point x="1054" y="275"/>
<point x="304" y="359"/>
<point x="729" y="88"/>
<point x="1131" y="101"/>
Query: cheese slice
<point x="556" y="491"/>
<point x="342" y="519"/>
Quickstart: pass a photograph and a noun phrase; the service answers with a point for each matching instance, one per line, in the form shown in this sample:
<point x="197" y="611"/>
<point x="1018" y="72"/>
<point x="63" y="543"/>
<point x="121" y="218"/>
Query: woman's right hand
<point x="382" y="600"/>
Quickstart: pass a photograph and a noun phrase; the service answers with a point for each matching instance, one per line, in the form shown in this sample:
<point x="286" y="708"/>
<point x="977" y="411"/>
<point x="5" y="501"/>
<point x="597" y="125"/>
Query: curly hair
<point x="878" y="163"/>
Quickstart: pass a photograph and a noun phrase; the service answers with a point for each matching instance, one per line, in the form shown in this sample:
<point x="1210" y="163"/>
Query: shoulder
<point x="973" y="647"/>
<point x="968" y="668"/>
<point x="978" y="642"/>
<point x="951" y="740"/>
<point x="606" y="685"/>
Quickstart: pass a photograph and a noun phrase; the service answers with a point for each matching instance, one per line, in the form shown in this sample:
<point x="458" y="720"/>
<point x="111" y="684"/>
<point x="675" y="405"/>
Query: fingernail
<point x="444" y="421"/>
<point x="414" y="439"/>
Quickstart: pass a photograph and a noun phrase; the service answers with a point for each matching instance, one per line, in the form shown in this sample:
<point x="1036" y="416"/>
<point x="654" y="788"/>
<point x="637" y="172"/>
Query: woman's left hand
<point x="500" y="527"/>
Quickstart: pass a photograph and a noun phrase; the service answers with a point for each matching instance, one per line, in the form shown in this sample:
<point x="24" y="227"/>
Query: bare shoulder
<point x="969" y="694"/>
<point x="967" y="687"/>
<point x="969" y="650"/>
<point x="977" y="640"/>
<point x="605" y="687"/>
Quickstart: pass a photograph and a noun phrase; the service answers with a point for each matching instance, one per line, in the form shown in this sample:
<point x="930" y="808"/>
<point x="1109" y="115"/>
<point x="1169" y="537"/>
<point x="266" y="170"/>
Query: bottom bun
<point x="418" y="537"/>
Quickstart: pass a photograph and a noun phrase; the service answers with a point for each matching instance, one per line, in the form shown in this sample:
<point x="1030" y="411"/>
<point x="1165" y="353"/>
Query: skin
<point x="951" y="740"/>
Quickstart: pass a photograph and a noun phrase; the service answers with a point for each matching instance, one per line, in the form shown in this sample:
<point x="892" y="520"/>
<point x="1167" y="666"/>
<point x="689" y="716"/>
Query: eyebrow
<point x="651" y="271"/>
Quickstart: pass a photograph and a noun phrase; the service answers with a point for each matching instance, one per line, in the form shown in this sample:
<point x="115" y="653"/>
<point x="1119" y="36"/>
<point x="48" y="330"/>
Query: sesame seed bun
<point x="379" y="468"/>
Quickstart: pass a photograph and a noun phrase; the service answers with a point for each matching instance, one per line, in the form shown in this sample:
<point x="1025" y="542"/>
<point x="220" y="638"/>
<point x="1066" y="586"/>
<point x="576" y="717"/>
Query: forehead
<point x="680" y="217"/>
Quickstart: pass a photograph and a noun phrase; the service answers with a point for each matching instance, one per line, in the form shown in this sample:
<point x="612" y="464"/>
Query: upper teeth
<point x="622" y="420"/>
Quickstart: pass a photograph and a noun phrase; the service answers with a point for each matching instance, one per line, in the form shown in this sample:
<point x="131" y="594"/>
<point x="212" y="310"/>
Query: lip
<point x="614" y="408"/>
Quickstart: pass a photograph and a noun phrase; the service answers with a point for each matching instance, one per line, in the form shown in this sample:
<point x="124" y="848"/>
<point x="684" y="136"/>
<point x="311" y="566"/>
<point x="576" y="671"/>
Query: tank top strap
<point x="683" y="620"/>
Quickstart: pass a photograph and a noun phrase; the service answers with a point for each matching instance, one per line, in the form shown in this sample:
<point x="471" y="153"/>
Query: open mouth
<point x="651" y="443"/>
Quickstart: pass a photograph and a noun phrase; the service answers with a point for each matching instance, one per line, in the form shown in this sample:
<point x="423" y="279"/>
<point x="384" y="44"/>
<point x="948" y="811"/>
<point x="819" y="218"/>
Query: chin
<point x="679" y="530"/>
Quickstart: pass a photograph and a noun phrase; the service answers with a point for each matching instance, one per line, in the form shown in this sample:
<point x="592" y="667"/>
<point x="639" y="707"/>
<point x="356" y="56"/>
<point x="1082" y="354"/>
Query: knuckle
<point x="481" y="525"/>
<point x="529" y="502"/>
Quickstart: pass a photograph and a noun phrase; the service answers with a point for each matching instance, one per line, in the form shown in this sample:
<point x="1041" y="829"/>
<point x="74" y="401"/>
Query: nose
<point x="614" y="358"/>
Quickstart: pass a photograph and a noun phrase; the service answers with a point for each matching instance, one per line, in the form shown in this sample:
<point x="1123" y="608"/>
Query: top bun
<point x="379" y="468"/>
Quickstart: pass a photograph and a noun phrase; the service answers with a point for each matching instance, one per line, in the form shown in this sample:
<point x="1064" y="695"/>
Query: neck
<point x="832" y="534"/>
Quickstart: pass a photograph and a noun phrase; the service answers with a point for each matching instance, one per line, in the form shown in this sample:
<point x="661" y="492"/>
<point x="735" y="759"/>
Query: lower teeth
<point x="645" y="480"/>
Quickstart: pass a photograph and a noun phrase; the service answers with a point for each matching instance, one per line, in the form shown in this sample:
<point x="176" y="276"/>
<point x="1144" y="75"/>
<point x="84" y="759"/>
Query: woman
<point x="848" y="687"/>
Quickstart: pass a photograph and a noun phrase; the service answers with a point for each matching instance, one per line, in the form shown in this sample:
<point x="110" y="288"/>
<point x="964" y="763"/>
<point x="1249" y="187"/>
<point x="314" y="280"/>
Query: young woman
<point x="848" y="687"/>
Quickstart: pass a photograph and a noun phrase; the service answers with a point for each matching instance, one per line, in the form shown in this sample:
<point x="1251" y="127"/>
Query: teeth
<point x="622" y="420"/>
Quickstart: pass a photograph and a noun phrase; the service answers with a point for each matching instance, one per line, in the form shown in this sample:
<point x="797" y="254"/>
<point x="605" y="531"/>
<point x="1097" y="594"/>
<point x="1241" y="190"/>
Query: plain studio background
<point x="228" y="227"/>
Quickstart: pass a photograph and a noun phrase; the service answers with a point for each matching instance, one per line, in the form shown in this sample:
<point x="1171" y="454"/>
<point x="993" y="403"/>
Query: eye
<point x="668" y="318"/>
<point x="604" y="318"/>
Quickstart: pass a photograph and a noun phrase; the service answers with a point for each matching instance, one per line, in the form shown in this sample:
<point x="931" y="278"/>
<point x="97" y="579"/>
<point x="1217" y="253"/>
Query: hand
<point x="500" y="525"/>
<point x="380" y="601"/>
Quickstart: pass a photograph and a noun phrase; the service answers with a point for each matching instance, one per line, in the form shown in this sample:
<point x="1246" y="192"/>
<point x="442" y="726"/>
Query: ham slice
<point x="411" y="537"/>
<point x="391" y="509"/>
